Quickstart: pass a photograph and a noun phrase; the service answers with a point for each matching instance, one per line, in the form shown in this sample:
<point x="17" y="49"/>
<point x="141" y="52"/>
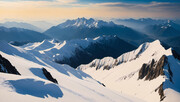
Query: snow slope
<point x="33" y="86"/>
<point x="58" y="50"/>
<point x="144" y="73"/>
<point x="72" y="52"/>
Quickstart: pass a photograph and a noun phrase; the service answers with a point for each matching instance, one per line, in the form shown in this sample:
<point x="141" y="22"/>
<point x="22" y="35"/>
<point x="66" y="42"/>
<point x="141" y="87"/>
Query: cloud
<point x="64" y="9"/>
<point x="34" y="3"/>
<point x="153" y="6"/>
<point x="126" y="1"/>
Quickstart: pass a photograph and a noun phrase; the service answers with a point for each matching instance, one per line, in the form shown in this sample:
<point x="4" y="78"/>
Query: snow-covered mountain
<point x="83" y="22"/>
<point x="140" y="23"/>
<point x="21" y="25"/>
<point x="89" y="28"/>
<point x="150" y="72"/>
<point x="80" y="51"/>
<point x="27" y="76"/>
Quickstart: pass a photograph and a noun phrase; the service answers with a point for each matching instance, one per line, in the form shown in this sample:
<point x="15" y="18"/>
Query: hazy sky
<point x="64" y="9"/>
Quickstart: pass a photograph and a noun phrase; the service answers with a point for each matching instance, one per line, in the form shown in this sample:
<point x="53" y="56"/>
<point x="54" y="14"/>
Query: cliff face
<point x="155" y="69"/>
<point x="7" y="67"/>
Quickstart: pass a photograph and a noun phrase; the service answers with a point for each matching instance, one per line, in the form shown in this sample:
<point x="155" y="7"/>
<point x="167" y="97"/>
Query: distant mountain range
<point x="138" y="24"/>
<point x="82" y="28"/>
<point x="85" y="23"/>
<point x="21" y="35"/>
<point x="21" y="25"/>
<point x="164" y="30"/>
<point x="168" y="31"/>
<point x="137" y="32"/>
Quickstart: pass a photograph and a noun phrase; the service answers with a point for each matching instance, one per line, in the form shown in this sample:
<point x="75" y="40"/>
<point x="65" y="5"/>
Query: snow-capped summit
<point x="83" y="22"/>
<point x="150" y="72"/>
<point x="81" y="28"/>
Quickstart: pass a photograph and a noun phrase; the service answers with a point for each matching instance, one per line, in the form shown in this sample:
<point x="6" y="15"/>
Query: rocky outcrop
<point x="161" y="92"/>
<point x="7" y="67"/>
<point x="49" y="76"/>
<point x="153" y="70"/>
<point x="143" y="71"/>
<point x="107" y="67"/>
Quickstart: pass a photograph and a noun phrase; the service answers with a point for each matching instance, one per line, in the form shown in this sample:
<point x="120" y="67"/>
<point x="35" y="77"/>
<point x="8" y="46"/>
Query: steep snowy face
<point x="83" y="22"/>
<point x="42" y="80"/>
<point x="76" y="52"/>
<point x="59" y="50"/>
<point x="149" y="73"/>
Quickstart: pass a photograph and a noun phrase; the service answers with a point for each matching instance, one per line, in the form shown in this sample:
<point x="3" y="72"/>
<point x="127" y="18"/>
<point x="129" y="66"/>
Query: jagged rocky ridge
<point x="150" y="72"/>
<point x="153" y="70"/>
<point x="108" y="62"/>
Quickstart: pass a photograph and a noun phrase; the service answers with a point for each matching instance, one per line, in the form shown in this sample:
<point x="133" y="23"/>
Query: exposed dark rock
<point x="103" y="85"/>
<point x="107" y="67"/>
<point x="153" y="70"/>
<point x="175" y="54"/>
<point x="115" y="63"/>
<point x="93" y="65"/>
<point x="7" y="67"/>
<point x="158" y="70"/>
<point x="98" y="66"/>
<point x="161" y="92"/>
<point x="143" y="71"/>
<point x="49" y="76"/>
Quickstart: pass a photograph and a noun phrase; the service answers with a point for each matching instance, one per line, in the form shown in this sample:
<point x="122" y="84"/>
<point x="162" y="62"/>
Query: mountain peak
<point x="83" y="22"/>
